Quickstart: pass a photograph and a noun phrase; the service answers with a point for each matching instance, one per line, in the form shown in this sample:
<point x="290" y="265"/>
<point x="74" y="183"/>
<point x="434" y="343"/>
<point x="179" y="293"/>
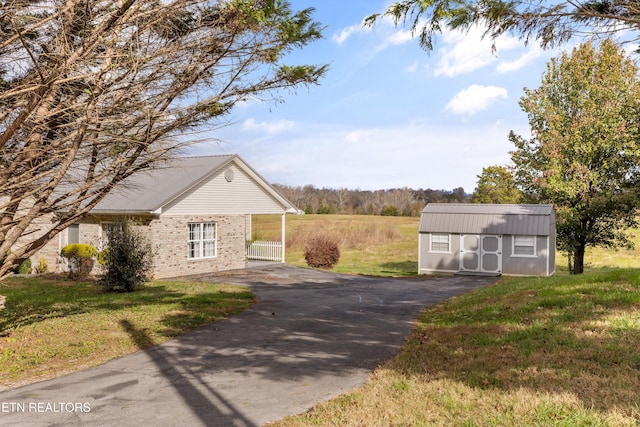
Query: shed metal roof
<point x="472" y="218"/>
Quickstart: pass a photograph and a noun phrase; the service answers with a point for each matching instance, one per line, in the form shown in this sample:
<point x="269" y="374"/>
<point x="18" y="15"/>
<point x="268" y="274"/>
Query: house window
<point x="73" y="234"/>
<point x="440" y="243"/>
<point x="524" y="246"/>
<point x="202" y="240"/>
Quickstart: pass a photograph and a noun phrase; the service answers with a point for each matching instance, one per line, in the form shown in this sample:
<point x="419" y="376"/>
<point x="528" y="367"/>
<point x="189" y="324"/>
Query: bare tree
<point x="94" y="91"/>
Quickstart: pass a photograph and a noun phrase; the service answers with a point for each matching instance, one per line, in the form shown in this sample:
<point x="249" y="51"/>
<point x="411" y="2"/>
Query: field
<point x="384" y="246"/>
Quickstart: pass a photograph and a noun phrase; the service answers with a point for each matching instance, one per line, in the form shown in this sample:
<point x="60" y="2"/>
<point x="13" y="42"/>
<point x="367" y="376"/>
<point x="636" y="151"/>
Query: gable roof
<point x="474" y="218"/>
<point x="149" y="191"/>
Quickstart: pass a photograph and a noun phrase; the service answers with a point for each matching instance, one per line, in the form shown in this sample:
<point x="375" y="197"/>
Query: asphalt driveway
<point x="312" y="335"/>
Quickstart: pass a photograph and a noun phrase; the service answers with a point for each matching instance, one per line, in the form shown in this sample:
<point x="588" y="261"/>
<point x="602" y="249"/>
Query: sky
<point x="388" y="114"/>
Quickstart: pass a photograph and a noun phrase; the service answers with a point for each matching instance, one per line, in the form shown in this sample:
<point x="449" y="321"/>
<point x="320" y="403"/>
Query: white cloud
<point x="342" y="35"/>
<point x="411" y="155"/>
<point x="391" y="35"/>
<point x="399" y="37"/>
<point x="475" y="98"/>
<point x="529" y="56"/>
<point x="416" y="66"/>
<point x="268" y="127"/>
<point x="359" y="136"/>
<point x="464" y="52"/>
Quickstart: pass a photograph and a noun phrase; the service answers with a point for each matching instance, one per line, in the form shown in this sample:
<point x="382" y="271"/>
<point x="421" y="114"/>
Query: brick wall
<point x="169" y="235"/>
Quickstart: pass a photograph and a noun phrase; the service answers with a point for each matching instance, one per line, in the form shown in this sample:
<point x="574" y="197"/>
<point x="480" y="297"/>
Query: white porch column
<point x="283" y="235"/>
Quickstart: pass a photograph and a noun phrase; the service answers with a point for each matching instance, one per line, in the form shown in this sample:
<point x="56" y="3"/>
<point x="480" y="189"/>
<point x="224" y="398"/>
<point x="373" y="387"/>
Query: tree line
<point x="390" y="202"/>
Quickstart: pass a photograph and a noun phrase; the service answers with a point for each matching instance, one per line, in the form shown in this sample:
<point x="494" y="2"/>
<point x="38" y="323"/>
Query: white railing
<point x="264" y="251"/>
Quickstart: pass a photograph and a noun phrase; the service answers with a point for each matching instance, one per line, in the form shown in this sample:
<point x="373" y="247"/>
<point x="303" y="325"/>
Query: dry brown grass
<point x="349" y="231"/>
<point x="348" y="234"/>
<point x="386" y="246"/>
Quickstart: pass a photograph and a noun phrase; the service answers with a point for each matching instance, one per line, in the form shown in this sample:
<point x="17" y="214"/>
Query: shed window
<point x="440" y="243"/>
<point x="202" y="240"/>
<point x="524" y="246"/>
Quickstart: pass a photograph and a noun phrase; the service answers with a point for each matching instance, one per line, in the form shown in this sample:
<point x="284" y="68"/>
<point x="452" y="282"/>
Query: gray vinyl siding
<point x="525" y="266"/>
<point x="436" y="261"/>
<point x="242" y="195"/>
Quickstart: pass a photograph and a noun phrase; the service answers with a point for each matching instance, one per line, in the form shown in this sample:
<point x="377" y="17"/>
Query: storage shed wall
<point x="525" y="265"/>
<point x="542" y="264"/>
<point x="435" y="262"/>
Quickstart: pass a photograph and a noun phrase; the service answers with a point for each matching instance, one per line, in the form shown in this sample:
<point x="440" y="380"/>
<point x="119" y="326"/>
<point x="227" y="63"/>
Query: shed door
<point x="491" y="254"/>
<point x="469" y="252"/>
<point x="482" y="253"/>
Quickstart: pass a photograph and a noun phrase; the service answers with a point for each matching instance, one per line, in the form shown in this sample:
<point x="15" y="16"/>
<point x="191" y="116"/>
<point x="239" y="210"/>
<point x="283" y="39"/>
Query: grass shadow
<point x="400" y="268"/>
<point x="50" y="327"/>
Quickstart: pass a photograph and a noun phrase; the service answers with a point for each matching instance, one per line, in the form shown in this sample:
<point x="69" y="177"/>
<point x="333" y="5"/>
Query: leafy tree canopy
<point x="584" y="152"/>
<point x="496" y="185"/>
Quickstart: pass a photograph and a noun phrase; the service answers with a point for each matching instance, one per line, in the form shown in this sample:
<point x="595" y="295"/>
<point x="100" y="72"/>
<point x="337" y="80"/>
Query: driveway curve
<point x="313" y="335"/>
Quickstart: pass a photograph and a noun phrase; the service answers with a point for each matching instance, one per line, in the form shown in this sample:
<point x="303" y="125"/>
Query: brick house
<point x="196" y="212"/>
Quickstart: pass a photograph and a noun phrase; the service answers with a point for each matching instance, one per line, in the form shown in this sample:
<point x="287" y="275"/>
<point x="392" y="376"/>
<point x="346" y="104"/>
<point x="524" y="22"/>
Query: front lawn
<point x="51" y="326"/>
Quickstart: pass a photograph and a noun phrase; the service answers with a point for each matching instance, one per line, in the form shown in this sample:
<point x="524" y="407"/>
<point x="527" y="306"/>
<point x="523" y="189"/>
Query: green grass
<point x="52" y="326"/>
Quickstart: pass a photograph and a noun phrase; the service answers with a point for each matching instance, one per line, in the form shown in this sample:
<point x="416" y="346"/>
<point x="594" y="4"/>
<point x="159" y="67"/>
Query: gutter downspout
<point x="283" y="235"/>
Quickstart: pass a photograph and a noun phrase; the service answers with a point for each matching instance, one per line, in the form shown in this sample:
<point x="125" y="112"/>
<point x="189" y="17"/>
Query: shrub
<point x="321" y="252"/>
<point x="128" y="259"/>
<point x="80" y="256"/>
<point x="389" y="210"/>
<point x="43" y="266"/>
<point x="24" y="267"/>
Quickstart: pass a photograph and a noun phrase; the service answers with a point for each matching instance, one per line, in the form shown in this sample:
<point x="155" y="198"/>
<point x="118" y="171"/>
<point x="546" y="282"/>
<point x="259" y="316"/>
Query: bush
<point x="128" y="259"/>
<point x="80" y="256"/>
<point x="389" y="210"/>
<point x="321" y="252"/>
<point x="24" y="267"/>
<point x="43" y="266"/>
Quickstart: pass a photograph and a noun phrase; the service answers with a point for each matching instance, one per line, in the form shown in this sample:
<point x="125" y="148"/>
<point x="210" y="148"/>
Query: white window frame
<point x="532" y="245"/>
<point x="439" y="235"/>
<point x="199" y="245"/>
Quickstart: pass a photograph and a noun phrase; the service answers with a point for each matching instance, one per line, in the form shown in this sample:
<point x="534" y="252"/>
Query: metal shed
<point x="487" y="239"/>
